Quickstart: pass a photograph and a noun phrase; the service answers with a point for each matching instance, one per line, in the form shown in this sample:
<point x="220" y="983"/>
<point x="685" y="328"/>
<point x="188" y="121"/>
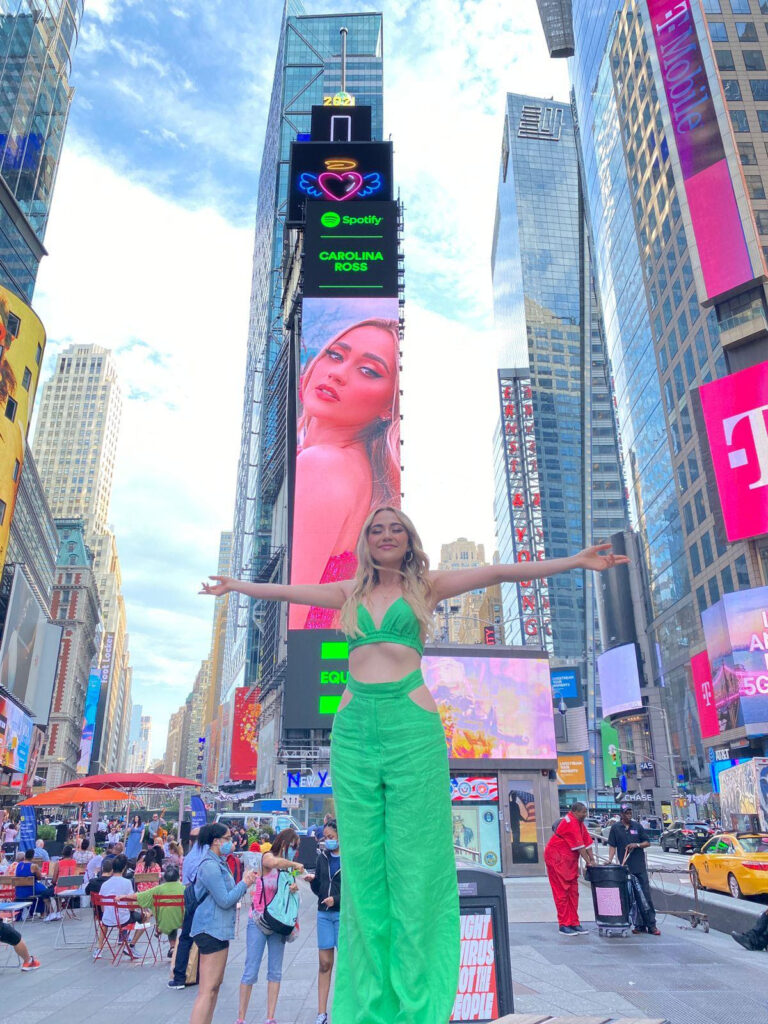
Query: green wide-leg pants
<point x="398" y="960"/>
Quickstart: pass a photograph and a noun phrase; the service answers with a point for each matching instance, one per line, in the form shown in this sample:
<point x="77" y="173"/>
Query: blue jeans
<point x="255" y="942"/>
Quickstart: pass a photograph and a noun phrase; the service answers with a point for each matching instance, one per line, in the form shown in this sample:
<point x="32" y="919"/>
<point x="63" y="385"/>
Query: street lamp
<point x="670" y="756"/>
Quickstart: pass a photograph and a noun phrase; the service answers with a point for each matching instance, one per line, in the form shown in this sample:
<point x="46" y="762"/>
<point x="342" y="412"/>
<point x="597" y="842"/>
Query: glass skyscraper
<point x="37" y="38"/>
<point x="307" y="69"/>
<point x="662" y="343"/>
<point x="558" y="485"/>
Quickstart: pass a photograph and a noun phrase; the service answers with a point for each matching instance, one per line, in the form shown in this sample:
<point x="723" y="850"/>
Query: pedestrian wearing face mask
<point x="326" y="885"/>
<point x="213" y="925"/>
<point x="259" y="937"/>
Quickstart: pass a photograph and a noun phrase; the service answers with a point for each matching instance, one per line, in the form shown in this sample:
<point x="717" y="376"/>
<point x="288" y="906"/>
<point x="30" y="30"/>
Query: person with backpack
<point x="272" y="920"/>
<point x="216" y="896"/>
<point x="326" y="885"/>
<point x="192" y="860"/>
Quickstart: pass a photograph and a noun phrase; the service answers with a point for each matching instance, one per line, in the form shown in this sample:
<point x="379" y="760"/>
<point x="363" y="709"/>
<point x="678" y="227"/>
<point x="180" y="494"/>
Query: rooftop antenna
<point x="343" y="32"/>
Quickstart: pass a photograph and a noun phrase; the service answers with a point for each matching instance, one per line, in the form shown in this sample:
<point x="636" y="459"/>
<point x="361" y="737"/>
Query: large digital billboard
<point x="736" y="634"/>
<point x="22" y="342"/>
<point x="705" y="695"/>
<point x="350" y="251"/>
<point x="609" y="737"/>
<point x="29" y="651"/>
<point x="342" y="173"/>
<point x="245" y="731"/>
<point x="92" y="695"/>
<point x="15" y="736"/>
<point x="619" y="677"/>
<point x="348" y="437"/>
<point x="734" y="410"/>
<point x="693" y="109"/>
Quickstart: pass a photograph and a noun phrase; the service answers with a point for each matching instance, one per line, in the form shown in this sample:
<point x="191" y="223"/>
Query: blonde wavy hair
<point x="382" y="436"/>
<point x="414" y="570"/>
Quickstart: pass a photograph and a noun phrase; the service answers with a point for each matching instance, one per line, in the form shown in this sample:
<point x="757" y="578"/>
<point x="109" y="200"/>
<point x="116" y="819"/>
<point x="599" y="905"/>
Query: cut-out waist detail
<point x="397" y="688"/>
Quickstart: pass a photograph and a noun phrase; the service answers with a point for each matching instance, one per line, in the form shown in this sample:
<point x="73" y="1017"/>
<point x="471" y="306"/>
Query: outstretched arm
<point x="451" y="583"/>
<point x="320" y="595"/>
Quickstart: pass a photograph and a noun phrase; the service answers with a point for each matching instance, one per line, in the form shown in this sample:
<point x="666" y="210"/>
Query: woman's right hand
<point x="250" y="878"/>
<point x="308" y="878"/>
<point x="218" y="589"/>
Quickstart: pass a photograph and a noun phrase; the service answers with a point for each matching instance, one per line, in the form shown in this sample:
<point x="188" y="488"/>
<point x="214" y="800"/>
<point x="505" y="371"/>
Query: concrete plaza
<point x="685" y="976"/>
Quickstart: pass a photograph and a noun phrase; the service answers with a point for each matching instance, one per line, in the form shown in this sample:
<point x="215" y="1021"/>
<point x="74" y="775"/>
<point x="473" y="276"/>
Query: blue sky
<point x="150" y="243"/>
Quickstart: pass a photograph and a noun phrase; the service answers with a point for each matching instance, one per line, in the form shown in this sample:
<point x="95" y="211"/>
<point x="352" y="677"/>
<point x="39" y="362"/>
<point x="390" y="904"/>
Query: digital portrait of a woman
<point x="348" y="451"/>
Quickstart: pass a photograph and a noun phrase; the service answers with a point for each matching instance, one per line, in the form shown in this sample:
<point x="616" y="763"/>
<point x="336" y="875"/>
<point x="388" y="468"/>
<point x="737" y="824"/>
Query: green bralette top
<point x="399" y="626"/>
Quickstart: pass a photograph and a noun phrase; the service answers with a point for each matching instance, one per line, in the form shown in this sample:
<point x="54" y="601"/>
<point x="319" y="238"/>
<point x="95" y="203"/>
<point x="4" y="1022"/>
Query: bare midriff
<point x="383" y="662"/>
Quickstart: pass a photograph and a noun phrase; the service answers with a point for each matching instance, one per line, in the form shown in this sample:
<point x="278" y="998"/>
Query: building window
<point x="747" y="154"/>
<point x="755" y="186"/>
<point x="26" y="380"/>
<point x="740" y="7"/>
<point x="762" y="117"/>
<point x="718" y="32"/>
<point x="701" y="599"/>
<point x="701" y="510"/>
<point x="732" y="90"/>
<point x="742" y="573"/>
<point x="746" y="31"/>
<point x="16" y="470"/>
<point x="739" y="120"/>
<point x="761" y="219"/>
<point x="695" y="560"/>
<point x="706" y="550"/>
<point x="759" y="87"/>
<point x="2" y="511"/>
<point x="725" y="60"/>
<point x="713" y="6"/>
<point x="11" y="406"/>
<point x="727" y="577"/>
<point x="714" y="590"/>
<point x="13" y="325"/>
<point x="753" y="60"/>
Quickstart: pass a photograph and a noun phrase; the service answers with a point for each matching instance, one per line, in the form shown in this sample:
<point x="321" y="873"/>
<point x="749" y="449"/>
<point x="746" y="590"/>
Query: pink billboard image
<point x="715" y="217"/>
<point x="735" y="409"/>
<point x="705" y="696"/>
<point x="493" y="707"/>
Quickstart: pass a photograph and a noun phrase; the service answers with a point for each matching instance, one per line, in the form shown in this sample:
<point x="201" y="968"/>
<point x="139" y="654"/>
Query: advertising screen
<point x="477" y="997"/>
<point x="571" y="770"/>
<point x="348" y="437"/>
<point x="714" y="213"/>
<point x="744" y="795"/>
<point x="493" y="706"/>
<point x="350" y="251"/>
<point x="611" y="757"/>
<point x="15" y="736"/>
<point x="29" y="650"/>
<point x="522" y="822"/>
<point x="333" y="124"/>
<point x="338" y="172"/>
<point x="736" y="633"/>
<point x="89" y="720"/>
<point x="245" y="726"/>
<point x="22" y="342"/>
<point x="619" y="680"/>
<point x="705" y="695"/>
<point x="734" y="410"/>
<point x="476" y="838"/>
<point x="565" y="682"/>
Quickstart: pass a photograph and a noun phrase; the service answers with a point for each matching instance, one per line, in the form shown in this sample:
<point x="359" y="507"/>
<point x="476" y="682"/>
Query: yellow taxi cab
<point x="732" y="862"/>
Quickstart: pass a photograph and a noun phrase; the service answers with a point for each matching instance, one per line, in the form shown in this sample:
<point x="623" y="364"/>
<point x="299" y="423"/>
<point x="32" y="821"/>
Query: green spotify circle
<point x="330" y="219"/>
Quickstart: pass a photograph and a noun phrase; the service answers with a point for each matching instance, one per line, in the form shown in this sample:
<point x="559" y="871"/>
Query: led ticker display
<point x="348" y="437"/>
<point x="339" y="173"/>
<point x="717" y="223"/>
<point x="735" y="409"/>
<point x="350" y="251"/>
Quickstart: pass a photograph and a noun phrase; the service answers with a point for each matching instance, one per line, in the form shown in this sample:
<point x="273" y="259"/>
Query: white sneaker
<point x="322" y="1018"/>
<point x="97" y="954"/>
<point x="56" y="916"/>
<point x="49" y="917"/>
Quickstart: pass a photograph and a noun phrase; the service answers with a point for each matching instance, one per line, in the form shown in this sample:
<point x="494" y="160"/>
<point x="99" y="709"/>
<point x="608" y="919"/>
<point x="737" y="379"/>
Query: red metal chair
<point x="161" y="902"/>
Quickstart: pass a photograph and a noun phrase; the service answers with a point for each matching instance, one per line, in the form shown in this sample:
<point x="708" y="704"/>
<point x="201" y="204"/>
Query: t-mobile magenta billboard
<point x="735" y="409"/>
<point x="715" y="218"/>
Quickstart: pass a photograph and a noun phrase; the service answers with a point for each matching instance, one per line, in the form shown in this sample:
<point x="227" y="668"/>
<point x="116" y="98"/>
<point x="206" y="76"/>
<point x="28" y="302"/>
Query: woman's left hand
<point x="593" y="558"/>
<point x="293" y="888"/>
<point x="328" y="902"/>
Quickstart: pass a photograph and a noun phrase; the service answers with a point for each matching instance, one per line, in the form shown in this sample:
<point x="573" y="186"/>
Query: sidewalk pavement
<point x="685" y="976"/>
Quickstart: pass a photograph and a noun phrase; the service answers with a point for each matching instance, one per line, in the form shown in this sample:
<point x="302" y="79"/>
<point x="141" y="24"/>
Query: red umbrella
<point x="128" y="780"/>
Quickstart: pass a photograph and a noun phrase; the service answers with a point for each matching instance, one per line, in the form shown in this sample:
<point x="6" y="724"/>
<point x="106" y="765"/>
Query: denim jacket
<point x="216" y="914"/>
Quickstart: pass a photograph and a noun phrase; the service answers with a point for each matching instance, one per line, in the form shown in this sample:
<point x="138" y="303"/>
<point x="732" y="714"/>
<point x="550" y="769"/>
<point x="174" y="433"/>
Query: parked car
<point x="606" y="829"/>
<point x="258" y="820"/>
<point x="685" y="836"/>
<point x="732" y="862"/>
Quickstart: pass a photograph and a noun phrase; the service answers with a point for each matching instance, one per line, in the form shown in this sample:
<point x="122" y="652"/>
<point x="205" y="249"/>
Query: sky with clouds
<point x="150" y="241"/>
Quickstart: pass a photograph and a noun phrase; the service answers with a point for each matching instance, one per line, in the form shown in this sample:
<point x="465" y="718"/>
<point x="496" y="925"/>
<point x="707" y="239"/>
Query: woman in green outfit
<point x="398" y="957"/>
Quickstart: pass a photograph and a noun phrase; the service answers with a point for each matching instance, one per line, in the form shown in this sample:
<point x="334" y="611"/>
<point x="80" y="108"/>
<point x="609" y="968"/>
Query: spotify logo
<point x="330" y="219"/>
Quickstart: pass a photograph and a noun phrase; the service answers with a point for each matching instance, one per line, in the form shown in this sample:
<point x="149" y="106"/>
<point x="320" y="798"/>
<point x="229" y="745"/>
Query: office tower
<point x="557" y="477"/>
<point x="473" y="618"/>
<point x="173" y="748"/>
<point x="308" y="69"/>
<point x="683" y="298"/>
<point x="37" y="38"/>
<point x="77" y="432"/>
<point x="74" y="607"/>
<point x="139" y="740"/>
<point x="75" y="443"/>
<point x="218" y="633"/>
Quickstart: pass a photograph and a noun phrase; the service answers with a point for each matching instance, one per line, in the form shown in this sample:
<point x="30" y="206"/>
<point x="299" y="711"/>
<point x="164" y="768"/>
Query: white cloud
<point x="167" y="289"/>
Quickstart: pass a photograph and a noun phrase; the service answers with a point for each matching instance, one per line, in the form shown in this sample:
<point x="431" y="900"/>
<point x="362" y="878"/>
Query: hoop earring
<point x="409" y="556"/>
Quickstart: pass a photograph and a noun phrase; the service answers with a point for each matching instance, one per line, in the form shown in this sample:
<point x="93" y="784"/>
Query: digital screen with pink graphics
<point x="338" y="172"/>
<point x="735" y="410"/>
<point x="709" y="190"/>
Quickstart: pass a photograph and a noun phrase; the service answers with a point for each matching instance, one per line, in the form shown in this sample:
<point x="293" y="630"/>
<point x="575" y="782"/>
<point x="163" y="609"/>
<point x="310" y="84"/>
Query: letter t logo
<point x="738" y="456"/>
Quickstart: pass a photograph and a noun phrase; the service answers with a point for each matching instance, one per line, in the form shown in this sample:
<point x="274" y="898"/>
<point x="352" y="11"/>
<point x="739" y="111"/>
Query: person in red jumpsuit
<point x="570" y="843"/>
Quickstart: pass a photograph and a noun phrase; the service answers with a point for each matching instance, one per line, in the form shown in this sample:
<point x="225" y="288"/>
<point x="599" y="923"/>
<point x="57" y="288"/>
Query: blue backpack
<point x="282" y="911"/>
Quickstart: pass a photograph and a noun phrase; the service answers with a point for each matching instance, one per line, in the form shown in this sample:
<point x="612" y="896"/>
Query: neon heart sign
<point x="338" y="187"/>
